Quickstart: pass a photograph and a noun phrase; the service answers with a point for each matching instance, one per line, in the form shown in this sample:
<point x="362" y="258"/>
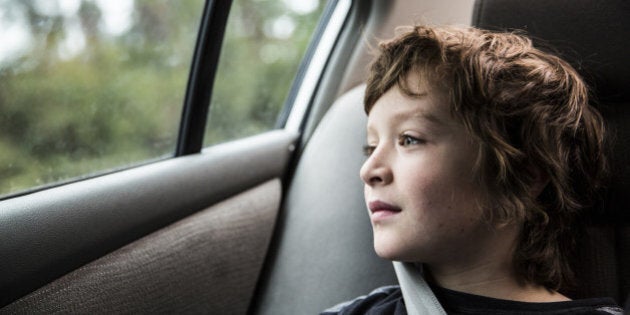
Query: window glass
<point x="264" y="43"/>
<point x="90" y="85"/>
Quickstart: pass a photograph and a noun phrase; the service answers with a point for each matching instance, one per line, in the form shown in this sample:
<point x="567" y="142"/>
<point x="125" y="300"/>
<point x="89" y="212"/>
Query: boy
<point x="481" y="151"/>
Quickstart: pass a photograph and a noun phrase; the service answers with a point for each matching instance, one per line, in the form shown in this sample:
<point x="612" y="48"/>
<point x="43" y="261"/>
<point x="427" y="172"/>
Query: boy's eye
<point x="407" y="140"/>
<point x="368" y="149"/>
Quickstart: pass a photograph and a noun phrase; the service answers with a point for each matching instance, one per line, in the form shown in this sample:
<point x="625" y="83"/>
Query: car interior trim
<point x="40" y="230"/>
<point x="201" y="79"/>
<point x="176" y="267"/>
<point x="317" y="65"/>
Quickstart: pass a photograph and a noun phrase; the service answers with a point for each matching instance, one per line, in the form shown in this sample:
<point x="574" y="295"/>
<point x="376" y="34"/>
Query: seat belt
<point x="419" y="299"/>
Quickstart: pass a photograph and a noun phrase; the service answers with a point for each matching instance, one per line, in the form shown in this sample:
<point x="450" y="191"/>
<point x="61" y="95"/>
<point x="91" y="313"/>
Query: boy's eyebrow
<point x="420" y="115"/>
<point x="428" y="116"/>
<point x="424" y="114"/>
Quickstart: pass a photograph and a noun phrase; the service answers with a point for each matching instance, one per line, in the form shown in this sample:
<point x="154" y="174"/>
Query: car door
<point x="182" y="228"/>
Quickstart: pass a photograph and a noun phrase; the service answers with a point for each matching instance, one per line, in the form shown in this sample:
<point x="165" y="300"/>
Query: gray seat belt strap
<point x="419" y="299"/>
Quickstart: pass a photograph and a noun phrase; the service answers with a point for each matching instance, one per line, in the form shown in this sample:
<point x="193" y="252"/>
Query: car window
<point x="88" y="86"/>
<point x="262" y="49"/>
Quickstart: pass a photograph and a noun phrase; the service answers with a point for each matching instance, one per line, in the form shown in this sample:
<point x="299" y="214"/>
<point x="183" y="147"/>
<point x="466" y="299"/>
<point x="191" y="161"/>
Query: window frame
<point x="313" y="65"/>
<point x="201" y="78"/>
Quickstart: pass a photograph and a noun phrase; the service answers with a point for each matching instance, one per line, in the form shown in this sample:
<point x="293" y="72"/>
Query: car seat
<point x="592" y="35"/>
<point x="323" y="252"/>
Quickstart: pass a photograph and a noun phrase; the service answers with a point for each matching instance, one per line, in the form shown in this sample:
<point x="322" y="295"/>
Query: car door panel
<point x="207" y="261"/>
<point x="52" y="232"/>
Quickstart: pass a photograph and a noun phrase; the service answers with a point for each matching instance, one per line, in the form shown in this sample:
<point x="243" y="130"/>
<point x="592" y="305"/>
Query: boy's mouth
<point x="381" y="206"/>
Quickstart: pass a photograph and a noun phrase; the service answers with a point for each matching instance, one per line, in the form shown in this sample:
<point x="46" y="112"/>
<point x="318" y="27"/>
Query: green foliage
<point x="256" y="67"/>
<point x="117" y="100"/>
<point x="115" y="103"/>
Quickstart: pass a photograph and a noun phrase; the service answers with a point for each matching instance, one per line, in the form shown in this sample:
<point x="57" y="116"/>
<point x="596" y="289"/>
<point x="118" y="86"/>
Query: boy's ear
<point x="540" y="180"/>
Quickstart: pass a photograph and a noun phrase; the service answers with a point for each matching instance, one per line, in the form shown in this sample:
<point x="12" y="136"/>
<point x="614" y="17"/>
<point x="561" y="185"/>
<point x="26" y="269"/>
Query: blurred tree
<point x="83" y="95"/>
<point x="263" y="47"/>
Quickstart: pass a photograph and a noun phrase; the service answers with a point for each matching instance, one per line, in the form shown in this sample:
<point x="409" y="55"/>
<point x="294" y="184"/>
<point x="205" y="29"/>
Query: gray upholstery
<point x="206" y="263"/>
<point x="593" y="36"/>
<point x="323" y="253"/>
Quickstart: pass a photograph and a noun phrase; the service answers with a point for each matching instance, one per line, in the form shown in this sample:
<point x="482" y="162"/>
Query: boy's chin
<point x="391" y="250"/>
<point x="384" y="254"/>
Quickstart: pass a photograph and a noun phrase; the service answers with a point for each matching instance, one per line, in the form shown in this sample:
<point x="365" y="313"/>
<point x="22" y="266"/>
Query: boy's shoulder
<point x="383" y="300"/>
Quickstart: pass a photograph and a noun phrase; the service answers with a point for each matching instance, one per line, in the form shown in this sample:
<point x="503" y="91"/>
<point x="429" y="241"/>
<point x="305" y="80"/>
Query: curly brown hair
<point x="529" y="112"/>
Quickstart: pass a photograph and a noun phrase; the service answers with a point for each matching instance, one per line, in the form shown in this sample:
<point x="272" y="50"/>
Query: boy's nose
<point x="375" y="171"/>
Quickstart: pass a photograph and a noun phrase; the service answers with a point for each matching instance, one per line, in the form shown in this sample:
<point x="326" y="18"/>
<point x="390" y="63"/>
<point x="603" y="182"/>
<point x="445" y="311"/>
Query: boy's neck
<point x="489" y="272"/>
<point x="494" y="281"/>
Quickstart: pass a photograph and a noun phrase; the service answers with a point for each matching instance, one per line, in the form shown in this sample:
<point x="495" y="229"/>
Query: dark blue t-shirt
<point x="388" y="300"/>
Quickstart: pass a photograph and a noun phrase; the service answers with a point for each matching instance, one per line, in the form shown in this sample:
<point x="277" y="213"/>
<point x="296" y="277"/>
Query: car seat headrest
<point x="591" y="34"/>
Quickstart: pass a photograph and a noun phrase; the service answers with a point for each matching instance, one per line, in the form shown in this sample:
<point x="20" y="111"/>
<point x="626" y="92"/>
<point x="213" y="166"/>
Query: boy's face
<point x="422" y="200"/>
